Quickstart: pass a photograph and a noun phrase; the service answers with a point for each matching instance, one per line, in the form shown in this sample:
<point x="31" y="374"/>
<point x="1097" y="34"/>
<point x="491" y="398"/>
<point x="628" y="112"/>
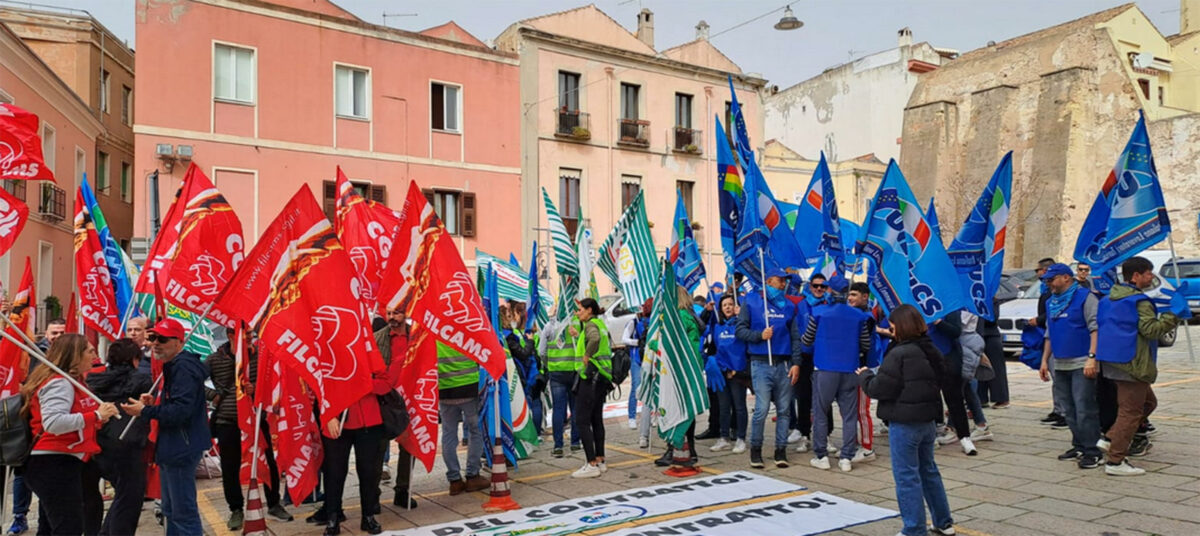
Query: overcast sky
<point x="833" y="31"/>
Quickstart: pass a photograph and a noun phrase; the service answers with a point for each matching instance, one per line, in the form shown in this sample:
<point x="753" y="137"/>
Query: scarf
<point x="1059" y="302"/>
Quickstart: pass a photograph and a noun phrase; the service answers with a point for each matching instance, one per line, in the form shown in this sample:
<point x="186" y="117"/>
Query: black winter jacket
<point x="907" y="383"/>
<point x="117" y="384"/>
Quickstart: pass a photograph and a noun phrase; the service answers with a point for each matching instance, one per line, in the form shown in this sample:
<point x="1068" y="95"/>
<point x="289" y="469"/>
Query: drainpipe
<point x="611" y="172"/>
<point x="708" y="93"/>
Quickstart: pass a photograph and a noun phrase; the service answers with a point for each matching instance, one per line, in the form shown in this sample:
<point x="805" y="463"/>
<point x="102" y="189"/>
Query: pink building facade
<point x="266" y="96"/>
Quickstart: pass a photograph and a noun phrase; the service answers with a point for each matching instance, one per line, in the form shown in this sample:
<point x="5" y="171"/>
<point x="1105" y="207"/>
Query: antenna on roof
<point x="386" y="15"/>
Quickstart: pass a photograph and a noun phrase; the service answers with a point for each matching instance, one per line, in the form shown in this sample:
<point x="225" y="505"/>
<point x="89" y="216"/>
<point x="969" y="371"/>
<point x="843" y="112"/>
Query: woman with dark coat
<point x="120" y="461"/>
<point x="907" y="388"/>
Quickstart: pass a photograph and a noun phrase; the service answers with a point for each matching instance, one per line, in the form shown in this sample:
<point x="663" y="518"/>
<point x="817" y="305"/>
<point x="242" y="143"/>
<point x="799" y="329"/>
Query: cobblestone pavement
<point x="1015" y="486"/>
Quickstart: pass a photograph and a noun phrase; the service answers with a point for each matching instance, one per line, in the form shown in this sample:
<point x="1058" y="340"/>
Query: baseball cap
<point x="168" y="327"/>
<point x="1055" y="270"/>
<point x="776" y="272"/>
<point x="838" y="284"/>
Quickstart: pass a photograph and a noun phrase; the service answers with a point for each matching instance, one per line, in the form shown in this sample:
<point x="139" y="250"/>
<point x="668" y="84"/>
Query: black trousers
<point x="229" y="444"/>
<point x="952" y="394"/>
<point x="1106" y="395"/>
<point x="404" y="466"/>
<point x="93" y="501"/>
<point x="367" y="444"/>
<point x="126" y="470"/>
<point x="57" y="480"/>
<point x="802" y="400"/>
<point x="714" y="411"/>
<point x="589" y="415"/>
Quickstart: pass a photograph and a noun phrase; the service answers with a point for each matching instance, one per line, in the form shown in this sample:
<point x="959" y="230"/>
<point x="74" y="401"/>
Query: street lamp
<point x="788" y="21"/>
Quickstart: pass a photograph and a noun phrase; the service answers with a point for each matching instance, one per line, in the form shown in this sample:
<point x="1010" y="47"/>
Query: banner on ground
<point x="589" y="513"/>
<point x="814" y="513"/>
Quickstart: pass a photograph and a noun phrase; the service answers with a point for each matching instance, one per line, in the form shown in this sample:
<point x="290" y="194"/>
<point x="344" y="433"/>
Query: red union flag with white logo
<point x="198" y="250"/>
<point x="298" y="290"/>
<point x="418" y="385"/>
<point x="13" y="214"/>
<point x="300" y="451"/>
<point x="20" y="146"/>
<point x="425" y="277"/>
<point x="14" y="363"/>
<point x="97" y="303"/>
<point x="365" y="229"/>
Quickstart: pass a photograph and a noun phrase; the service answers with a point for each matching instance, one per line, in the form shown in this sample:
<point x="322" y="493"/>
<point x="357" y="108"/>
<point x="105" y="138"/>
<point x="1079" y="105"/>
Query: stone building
<point x="1064" y="99"/>
<point x="852" y="109"/>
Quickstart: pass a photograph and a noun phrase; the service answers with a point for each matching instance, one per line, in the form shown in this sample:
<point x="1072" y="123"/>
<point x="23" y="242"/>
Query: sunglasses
<point x="158" y="338"/>
<point x="814" y="285"/>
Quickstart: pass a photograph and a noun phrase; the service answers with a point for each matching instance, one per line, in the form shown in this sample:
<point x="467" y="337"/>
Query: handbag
<point x="16" y="435"/>
<point x="394" y="414"/>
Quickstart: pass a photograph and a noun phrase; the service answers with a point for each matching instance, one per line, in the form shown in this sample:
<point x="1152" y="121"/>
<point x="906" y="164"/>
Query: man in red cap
<point x="182" y="416"/>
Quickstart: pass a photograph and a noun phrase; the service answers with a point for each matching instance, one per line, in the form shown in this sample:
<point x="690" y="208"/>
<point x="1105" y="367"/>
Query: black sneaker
<point x="1050" y="419"/>
<point x="781" y="457"/>
<point x="1059" y="424"/>
<point x="1073" y="454"/>
<point x="756" y="460"/>
<point x="576" y="448"/>
<point x="709" y="434"/>
<point x="1140" y="447"/>
<point x="1089" y="461"/>
<point x="557" y="453"/>
<point x="665" y="459"/>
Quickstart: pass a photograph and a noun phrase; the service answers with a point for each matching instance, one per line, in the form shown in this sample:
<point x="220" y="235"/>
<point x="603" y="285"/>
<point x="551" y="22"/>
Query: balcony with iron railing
<point x="635" y="132"/>
<point x="687" y="140"/>
<point x="53" y="204"/>
<point x="572" y="124"/>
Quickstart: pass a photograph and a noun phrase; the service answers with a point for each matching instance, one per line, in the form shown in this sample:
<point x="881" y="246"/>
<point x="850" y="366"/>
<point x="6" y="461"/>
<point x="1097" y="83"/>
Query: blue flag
<point x="512" y="259"/>
<point x="764" y="229"/>
<point x="122" y="286"/>
<point x="977" y="252"/>
<point x="487" y="419"/>
<point x="741" y="139"/>
<point x="730" y="196"/>
<point x="807" y="223"/>
<point x="850" y="232"/>
<point x="534" y="313"/>
<point x="908" y="264"/>
<point x="831" y="224"/>
<point x="1129" y="214"/>
<point x="931" y="216"/>
<point x="683" y="254"/>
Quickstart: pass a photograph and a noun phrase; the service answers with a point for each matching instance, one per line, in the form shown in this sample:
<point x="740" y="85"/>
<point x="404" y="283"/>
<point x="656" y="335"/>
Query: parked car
<point x="616" y="316"/>
<point x="1189" y="271"/>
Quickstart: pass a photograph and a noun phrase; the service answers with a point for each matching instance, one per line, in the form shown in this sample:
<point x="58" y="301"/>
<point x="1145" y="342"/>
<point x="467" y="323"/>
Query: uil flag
<point x="97" y="301"/>
<point x="908" y="264"/>
<point x="121" y="282"/>
<point x="20" y="146"/>
<point x="299" y="291"/>
<point x="426" y="278"/>
<point x="14" y="363"/>
<point x="741" y="139"/>
<point x="935" y="227"/>
<point x="13" y="215"/>
<point x="683" y="254"/>
<point x="730" y="196"/>
<point x="366" y="232"/>
<point x="977" y="252"/>
<point x="628" y="256"/>
<point x="818" y="228"/>
<point x="1129" y="214"/>
<point x="198" y="250"/>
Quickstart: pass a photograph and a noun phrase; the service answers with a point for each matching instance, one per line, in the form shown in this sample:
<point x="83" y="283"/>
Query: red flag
<point x="73" y="315"/>
<point x="14" y="363"/>
<point x="365" y="229"/>
<point x="299" y="291"/>
<point x="20" y="146"/>
<point x="13" y="214"/>
<point x="196" y="254"/>
<point x="98" y="303"/>
<point x="418" y="385"/>
<point x="426" y="278"/>
<point x="247" y="411"/>
<point x="299" y="450"/>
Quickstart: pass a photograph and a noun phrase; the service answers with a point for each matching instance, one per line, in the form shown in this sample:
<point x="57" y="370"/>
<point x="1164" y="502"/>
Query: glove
<point x="716" y="379"/>
<point x="1179" y="304"/>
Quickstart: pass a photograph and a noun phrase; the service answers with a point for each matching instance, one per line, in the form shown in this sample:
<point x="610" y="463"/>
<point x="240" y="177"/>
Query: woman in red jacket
<point x="362" y="430"/>
<point x="64" y="421"/>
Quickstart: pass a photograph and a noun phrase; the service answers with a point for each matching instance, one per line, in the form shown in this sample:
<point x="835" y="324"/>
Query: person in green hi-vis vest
<point x="562" y="366"/>
<point x="458" y="390"/>
<point x="595" y="381"/>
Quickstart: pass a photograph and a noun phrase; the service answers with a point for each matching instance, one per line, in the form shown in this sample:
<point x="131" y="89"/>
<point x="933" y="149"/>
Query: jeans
<point x="563" y="400"/>
<point x="635" y="379"/>
<point x="918" y="482"/>
<point x="178" y="487"/>
<point x="1077" y="396"/>
<point x="842" y="387"/>
<point x="535" y="412"/>
<point x="22" y="495"/>
<point x="995" y="390"/>
<point x="733" y="424"/>
<point x="452" y="415"/>
<point x="57" y="481"/>
<point x="771" y="384"/>
<point x="971" y="397"/>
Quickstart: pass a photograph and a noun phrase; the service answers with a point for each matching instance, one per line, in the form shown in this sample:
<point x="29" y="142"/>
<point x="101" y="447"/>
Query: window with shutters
<point x="568" y="91"/>
<point x="352" y="92"/>
<point x="49" y="145"/>
<point x="568" y="197"/>
<point x="102" y="172"/>
<point x="373" y="192"/>
<point x="126" y="182"/>
<point x="630" y="186"/>
<point x="126" y="105"/>
<point x="456" y="209"/>
<point x="685" y="190"/>
<point x="233" y="74"/>
<point x="445" y="107"/>
<point x="104" y="91"/>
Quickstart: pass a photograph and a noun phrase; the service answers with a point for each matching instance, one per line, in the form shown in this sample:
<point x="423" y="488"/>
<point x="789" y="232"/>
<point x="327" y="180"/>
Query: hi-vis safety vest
<point x="455" y="369"/>
<point x="561" y="355"/>
<point x="603" y="358"/>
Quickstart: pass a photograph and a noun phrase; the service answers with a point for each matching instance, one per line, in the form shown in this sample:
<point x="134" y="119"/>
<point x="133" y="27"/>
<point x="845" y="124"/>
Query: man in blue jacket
<point x="772" y="336"/>
<point x="183" y="433"/>
<point x="1071" y="342"/>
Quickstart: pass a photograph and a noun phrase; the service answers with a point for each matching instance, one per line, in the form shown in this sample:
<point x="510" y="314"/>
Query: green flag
<point x="628" y="256"/>
<point x="565" y="258"/>
<point x="524" y="435"/>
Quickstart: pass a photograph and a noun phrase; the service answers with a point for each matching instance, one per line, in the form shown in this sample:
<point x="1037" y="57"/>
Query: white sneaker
<point x="968" y="446"/>
<point x="820" y="463"/>
<point x="1122" y="469"/>
<point x="863" y="455"/>
<point x="831" y="449"/>
<point x="643" y="442"/>
<point x="845" y="465"/>
<point x="947" y="436"/>
<point x="739" y="447"/>
<point x="587" y="471"/>
<point x="1104" y="445"/>
<point x="721" y="444"/>
<point x="633" y="424"/>
<point x="981" y="433"/>
<point x="882" y="429"/>
<point x="803" y="444"/>
<point x="794" y="436"/>
<point x="603" y="467"/>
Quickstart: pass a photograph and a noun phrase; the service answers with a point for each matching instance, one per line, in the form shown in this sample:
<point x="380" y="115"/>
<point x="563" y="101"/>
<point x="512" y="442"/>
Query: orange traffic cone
<point x="255" y="524"/>
<point x="682" y="465"/>
<point x="501" y="496"/>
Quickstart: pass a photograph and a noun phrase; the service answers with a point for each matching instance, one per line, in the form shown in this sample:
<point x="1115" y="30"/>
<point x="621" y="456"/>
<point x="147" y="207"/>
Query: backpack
<point x="16" y="434"/>
<point x="621" y="363"/>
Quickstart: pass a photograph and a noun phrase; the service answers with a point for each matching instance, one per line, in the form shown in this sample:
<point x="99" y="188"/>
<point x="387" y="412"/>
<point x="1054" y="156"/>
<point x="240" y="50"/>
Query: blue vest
<point x="836" y="346"/>
<point x="1116" y="340"/>
<point x="781" y="340"/>
<point x="878" y="345"/>
<point x="1069" y="335"/>
<point x="944" y="344"/>
<point x="731" y="352"/>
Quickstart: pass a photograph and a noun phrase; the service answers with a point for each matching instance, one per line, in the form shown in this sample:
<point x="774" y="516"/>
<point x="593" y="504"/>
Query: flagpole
<point x="42" y="358"/>
<point x="128" y="315"/>
<point x="412" y="463"/>
<point x="1186" y="332"/>
<point x="762" y="267"/>
<point x="203" y="316"/>
<point x="129" y="425"/>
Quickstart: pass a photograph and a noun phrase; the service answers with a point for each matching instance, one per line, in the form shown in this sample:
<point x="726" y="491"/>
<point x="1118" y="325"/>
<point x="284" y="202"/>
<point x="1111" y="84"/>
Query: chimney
<point x="905" y="38"/>
<point x="1189" y="16"/>
<point x="645" y="27"/>
<point x="702" y="31"/>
